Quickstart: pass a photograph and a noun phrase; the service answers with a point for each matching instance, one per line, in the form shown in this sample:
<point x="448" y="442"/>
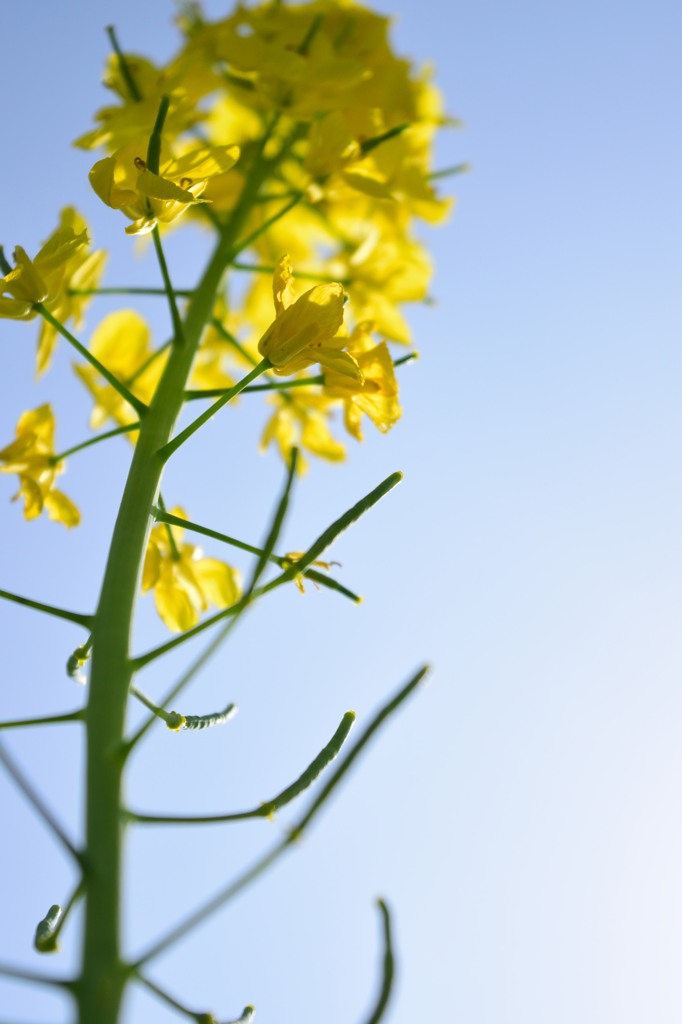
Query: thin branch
<point x="316" y="577"/>
<point x="126" y="74"/>
<point x="201" y="1018"/>
<point x="167" y="450"/>
<point x="135" y="403"/>
<point x="60" y="613"/>
<point x="282" y="385"/>
<point x="32" y="977"/>
<point x="180" y="293"/>
<point x="20" y="723"/>
<point x="384" y="712"/>
<point x="323" y="541"/>
<point x="274" y="385"/>
<point x="250" y="239"/>
<point x="388" y="967"/>
<point x="275" y="527"/>
<point x="449" y="172"/>
<point x="125" y="429"/>
<point x="270" y="807"/>
<point x="168" y="287"/>
<point x="190" y="723"/>
<point x="39" y="805"/>
<point x="183" y="682"/>
<point x="304" y="275"/>
<point x="262" y="865"/>
<point x="332" y="532"/>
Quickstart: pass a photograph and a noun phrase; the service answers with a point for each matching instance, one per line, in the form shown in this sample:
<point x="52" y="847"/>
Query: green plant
<point x="292" y="135"/>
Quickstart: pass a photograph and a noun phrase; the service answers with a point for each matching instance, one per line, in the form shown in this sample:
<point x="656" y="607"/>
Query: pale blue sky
<point x="522" y="813"/>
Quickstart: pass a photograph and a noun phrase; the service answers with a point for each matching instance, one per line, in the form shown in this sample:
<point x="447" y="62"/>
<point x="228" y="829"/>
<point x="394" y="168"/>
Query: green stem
<point x="130" y="82"/>
<point x="167" y="450"/>
<point x="284" y="385"/>
<point x="49" y="609"/>
<point x="126" y="429"/>
<point x="262" y="865"/>
<point x="153" y="158"/>
<point x="171" y="718"/>
<point x="387" y="967"/>
<point x="449" y="172"/>
<point x="39" y="805"/>
<point x="270" y="807"/>
<point x="274" y="385"/>
<point x="166" y="998"/>
<point x="135" y="403"/>
<point x="184" y="680"/>
<point x="182" y="293"/>
<point x="149" y="360"/>
<point x="18" y="974"/>
<point x="304" y="275"/>
<point x="326" y="538"/>
<point x="20" y="723"/>
<point x="255" y="235"/>
<point x="168" y="287"/>
<point x="104" y="975"/>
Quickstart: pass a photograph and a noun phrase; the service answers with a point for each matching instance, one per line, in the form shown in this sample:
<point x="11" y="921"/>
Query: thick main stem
<point x="104" y="974"/>
<point x="100" y="988"/>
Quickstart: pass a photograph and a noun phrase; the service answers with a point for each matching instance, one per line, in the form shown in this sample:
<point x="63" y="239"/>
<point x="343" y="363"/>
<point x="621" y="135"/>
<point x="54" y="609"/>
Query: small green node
<point x="45" y="940"/>
<point x="175" y="721"/>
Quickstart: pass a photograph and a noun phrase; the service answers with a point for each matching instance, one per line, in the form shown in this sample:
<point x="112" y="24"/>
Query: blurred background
<point x="521" y="814"/>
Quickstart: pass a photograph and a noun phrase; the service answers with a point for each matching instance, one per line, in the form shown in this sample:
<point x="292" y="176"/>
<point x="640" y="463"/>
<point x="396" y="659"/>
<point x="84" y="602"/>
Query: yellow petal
<point x="206" y="163"/>
<point x="175" y="607"/>
<point x="218" y="581"/>
<point x="32" y="495"/>
<point x="156" y="187"/>
<point x="61" y="509"/>
<point x="152" y="566"/>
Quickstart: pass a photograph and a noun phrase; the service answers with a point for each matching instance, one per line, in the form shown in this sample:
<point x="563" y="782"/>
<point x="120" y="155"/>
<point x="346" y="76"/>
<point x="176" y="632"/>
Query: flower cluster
<point x="296" y="133"/>
<point x="58" y="277"/>
<point x="348" y="129"/>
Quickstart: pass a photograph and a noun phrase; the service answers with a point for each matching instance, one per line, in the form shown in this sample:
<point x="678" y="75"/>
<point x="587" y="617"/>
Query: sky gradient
<point x="521" y="815"/>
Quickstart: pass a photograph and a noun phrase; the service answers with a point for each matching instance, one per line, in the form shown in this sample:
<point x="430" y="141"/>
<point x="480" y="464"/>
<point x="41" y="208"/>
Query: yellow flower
<point x="119" y="125"/>
<point x="62" y="264"/>
<point x="290" y="560"/>
<point x="377" y="396"/>
<point x="306" y="330"/>
<point x="122" y="343"/>
<point x="301" y="421"/>
<point x="386" y="269"/>
<point x="124" y="182"/>
<point x="184" y="583"/>
<point x="31" y="456"/>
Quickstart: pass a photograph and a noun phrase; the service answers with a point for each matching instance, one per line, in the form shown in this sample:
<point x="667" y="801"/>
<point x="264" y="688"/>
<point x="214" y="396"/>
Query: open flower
<point x="377" y="395"/>
<point x="124" y="182"/>
<point x="306" y="330"/>
<point x="122" y="343"/>
<point x="62" y="264"/>
<point x="31" y="456"/>
<point x="184" y="583"/>
<point x="301" y="420"/>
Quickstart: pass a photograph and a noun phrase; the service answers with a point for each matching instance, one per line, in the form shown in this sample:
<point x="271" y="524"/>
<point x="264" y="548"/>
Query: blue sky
<point x="522" y="813"/>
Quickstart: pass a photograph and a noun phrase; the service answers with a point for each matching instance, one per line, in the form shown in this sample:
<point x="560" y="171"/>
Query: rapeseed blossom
<point x="31" y="455"/>
<point x="124" y="182"/>
<point x="184" y="583"/>
<point x="122" y="343"/>
<point x="301" y="420"/>
<point x="377" y="395"/>
<point x="63" y="264"/>
<point x="306" y="330"/>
